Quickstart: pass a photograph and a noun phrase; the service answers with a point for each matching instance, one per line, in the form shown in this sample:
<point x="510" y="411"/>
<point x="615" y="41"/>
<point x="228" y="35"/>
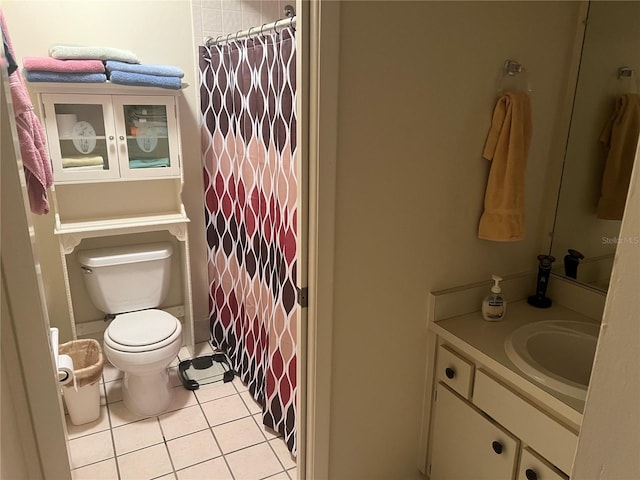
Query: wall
<point x="611" y="42"/>
<point x="610" y="436"/>
<point x="158" y="32"/>
<point x="417" y="89"/>
<point x="212" y="18"/>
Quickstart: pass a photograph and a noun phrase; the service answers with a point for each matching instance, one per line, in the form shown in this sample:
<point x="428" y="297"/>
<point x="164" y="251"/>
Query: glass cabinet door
<point x="81" y="137"/>
<point x="147" y="128"/>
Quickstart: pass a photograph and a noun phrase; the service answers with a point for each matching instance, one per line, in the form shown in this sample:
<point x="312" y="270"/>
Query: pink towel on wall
<point x="35" y="159"/>
<point x="46" y="64"/>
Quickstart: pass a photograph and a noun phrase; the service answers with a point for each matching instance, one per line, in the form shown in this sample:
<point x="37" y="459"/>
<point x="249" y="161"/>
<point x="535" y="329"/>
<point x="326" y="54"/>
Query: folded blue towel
<point x="139" y="79"/>
<point x="42" y="76"/>
<point x="160" y="70"/>
<point x="149" y="163"/>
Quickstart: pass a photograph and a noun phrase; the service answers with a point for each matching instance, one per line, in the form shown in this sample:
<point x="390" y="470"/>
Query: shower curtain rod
<point x="265" y="27"/>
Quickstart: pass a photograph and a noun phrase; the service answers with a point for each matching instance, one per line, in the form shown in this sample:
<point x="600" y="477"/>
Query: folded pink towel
<point x="47" y="64"/>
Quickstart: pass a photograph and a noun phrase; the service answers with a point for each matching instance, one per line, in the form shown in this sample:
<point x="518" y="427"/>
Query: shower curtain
<point x="248" y="93"/>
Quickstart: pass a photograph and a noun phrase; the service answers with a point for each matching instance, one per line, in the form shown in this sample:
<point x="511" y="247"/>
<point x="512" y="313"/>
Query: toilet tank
<point x="127" y="278"/>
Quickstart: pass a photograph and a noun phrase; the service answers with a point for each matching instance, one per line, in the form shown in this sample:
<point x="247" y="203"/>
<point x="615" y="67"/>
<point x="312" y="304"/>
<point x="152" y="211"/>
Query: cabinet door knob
<point x="497" y="447"/>
<point x="121" y="137"/>
<point x="450" y="372"/>
<point x="111" y="137"/>
<point x="530" y="474"/>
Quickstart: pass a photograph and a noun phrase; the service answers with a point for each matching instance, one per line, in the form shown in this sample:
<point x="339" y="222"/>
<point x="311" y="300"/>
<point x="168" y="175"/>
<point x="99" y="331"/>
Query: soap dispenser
<point x="494" y="305"/>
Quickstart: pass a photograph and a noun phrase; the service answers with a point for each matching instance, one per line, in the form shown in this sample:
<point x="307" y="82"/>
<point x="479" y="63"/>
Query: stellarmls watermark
<point x="633" y="240"/>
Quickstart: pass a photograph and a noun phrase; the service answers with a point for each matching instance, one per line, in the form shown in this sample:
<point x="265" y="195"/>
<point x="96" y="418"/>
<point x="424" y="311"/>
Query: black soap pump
<point x="540" y="300"/>
<point x="571" y="262"/>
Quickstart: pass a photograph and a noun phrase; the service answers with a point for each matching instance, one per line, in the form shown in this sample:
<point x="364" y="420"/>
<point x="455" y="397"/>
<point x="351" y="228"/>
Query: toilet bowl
<point x="142" y="344"/>
<point x="130" y="282"/>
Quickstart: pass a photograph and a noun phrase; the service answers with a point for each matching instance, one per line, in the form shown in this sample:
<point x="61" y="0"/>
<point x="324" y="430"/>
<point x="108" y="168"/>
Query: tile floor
<point x="213" y="433"/>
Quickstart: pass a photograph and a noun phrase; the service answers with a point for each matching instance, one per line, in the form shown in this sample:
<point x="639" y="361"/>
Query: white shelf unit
<point x="116" y="203"/>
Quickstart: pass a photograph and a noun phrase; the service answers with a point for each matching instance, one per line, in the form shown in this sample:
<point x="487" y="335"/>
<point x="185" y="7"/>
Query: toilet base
<point x="147" y="395"/>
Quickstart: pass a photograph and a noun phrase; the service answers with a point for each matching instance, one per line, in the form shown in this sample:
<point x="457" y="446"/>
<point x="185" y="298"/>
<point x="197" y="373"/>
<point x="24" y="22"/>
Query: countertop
<point x="484" y="342"/>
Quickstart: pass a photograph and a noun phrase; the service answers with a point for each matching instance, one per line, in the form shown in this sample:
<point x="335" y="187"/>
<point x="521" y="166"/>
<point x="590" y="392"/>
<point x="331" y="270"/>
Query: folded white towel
<point x="75" y="52"/>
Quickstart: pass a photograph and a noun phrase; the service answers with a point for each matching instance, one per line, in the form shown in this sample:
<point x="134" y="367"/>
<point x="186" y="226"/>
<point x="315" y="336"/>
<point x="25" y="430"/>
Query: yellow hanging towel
<point x="506" y="147"/>
<point x="620" y="135"/>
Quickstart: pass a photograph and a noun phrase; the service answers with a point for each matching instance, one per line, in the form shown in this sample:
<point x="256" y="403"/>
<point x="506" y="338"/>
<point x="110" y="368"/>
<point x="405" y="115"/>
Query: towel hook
<point x="511" y="68"/>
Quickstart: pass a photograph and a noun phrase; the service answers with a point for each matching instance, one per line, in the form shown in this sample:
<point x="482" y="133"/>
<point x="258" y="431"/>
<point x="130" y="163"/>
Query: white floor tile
<point x="253" y="406"/>
<point x="111" y="373"/>
<point x="293" y="473"/>
<point x="184" y="354"/>
<point x="191" y="449"/>
<point x="224" y="410"/>
<point x="182" y="422"/>
<point x="134" y="436"/>
<point x="113" y="391"/>
<point x="238" y="434"/>
<point x="174" y="380"/>
<point x="213" y="469"/>
<point x="282" y="452"/>
<point x="182" y="398"/>
<point x="203" y="348"/>
<point x="213" y="391"/>
<point x="240" y="387"/>
<point x="103" y="396"/>
<point x="268" y="432"/>
<point x="170" y="476"/>
<point x="253" y="463"/>
<point x="90" y="449"/>
<point x="121" y="415"/>
<point x="105" y="470"/>
<point x="147" y="463"/>
<point x="99" y="425"/>
<point x="279" y="476"/>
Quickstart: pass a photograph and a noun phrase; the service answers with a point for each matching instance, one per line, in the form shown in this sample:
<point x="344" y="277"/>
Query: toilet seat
<point x="142" y="331"/>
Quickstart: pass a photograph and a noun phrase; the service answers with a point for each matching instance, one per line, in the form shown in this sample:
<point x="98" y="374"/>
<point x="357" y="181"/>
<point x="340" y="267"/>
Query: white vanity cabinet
<point x="481" y="429"/>
<point x="99" y="137"/>
<point x="468" y="444"/>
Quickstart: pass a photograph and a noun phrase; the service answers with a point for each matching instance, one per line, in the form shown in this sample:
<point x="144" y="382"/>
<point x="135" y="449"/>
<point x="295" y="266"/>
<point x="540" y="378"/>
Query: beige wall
<point x="417" y="89"/>
<point x="158" y="32"/>
<point x="610" y="437"/>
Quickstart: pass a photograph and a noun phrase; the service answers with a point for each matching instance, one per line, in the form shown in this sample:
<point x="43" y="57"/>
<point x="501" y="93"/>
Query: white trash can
<point x="83" y="398"/>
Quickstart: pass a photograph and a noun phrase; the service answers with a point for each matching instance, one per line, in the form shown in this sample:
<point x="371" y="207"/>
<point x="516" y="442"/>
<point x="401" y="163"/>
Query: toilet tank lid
<point x="102" y="257"/>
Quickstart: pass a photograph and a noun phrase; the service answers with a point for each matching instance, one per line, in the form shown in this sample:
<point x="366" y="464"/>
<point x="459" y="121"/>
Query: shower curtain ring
<point x="227" y="39"/>
<point x="215" y="42"/>
<point x="261" y="27"/>
<point x="275" y="26"/>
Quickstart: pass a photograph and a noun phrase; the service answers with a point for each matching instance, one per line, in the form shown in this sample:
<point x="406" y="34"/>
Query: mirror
<point x="611" y="42"/>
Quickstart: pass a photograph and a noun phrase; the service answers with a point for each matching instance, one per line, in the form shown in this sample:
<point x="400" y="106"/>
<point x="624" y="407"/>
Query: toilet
<point x="129" y="282"/>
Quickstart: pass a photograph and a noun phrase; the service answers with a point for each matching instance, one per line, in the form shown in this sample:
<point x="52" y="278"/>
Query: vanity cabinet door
<point x="465" y="444"/>
<point x="147" y="133"/>
<point x="81" y="137"/>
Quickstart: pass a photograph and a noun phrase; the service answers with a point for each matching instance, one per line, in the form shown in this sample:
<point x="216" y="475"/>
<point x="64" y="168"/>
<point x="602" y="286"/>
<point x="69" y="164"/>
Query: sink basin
<point x="556" y="353"/>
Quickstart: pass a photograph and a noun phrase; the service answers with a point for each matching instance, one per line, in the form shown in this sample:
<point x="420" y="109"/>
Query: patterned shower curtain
<point x="248" y="93"/>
